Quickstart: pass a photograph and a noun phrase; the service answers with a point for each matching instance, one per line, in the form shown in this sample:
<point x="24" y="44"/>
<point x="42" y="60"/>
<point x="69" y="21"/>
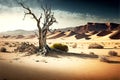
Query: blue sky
<point x="69" y="13"/>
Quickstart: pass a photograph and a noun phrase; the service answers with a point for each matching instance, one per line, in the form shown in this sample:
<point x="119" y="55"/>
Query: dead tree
<point x="49" y="19"/>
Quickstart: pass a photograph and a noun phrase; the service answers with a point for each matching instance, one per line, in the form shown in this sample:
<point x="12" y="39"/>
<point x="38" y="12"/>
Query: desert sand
<point x="16" y="66"/>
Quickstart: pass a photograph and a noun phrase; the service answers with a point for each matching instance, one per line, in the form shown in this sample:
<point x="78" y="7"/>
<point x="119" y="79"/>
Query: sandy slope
<point x="15" y="66"/>
<point x="49" y="68"/>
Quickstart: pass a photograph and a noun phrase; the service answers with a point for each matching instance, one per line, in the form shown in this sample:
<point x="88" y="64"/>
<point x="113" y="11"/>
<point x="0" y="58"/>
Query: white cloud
<point x="12" y="19"/>
<point x="68" y="19"/>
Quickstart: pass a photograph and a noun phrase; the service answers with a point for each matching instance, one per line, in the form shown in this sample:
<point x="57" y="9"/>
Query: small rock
<point x="10" y="61"/>
<point x="37" y="61"/>
<point x="16" y="58"/>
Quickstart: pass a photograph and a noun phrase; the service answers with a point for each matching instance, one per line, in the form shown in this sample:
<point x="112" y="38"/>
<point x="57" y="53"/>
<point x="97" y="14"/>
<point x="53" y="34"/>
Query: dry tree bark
<point x="49" y="19"/>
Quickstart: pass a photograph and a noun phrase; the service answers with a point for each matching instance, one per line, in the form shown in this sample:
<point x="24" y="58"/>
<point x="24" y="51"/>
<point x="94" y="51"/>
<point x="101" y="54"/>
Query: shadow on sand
<point x="57" y="53"/>
<point x="114" y="62"/>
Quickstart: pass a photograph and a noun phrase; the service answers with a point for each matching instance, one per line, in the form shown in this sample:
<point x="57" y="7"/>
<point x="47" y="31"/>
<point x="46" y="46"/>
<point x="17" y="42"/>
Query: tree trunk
<point x="49" y="19"/>
<point x="43" y="47"/>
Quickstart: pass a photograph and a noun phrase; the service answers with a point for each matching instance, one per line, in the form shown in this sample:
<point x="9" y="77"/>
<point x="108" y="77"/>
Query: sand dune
<point x="115" y="35"/>
<point x="103" y="33"/>
<point x="56" y="35"/>
<point x="69" y="33"/>
<point x="80" y="32"/>
<point x="30" y="36"/>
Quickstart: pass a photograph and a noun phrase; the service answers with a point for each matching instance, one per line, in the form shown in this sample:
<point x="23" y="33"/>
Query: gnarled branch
<point x="49" y="18"/>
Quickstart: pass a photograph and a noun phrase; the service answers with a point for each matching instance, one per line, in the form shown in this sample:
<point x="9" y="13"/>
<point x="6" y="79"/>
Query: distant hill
<point x="100" y="29"/>
<point x="90" y="26"/>
<point x="18" y="32"/>
<point x="79" y="32"/>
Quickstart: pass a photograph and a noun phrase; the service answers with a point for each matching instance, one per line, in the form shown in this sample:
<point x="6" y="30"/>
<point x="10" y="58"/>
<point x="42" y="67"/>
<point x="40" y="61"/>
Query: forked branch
<point x="49" y="17"/>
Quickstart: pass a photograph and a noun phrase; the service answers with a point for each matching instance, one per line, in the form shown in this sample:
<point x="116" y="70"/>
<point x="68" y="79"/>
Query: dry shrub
<point x="95" y="46"/>
<point x="26" y="47"/>
<point x="6" y="43"/>
<point x="12" y="45"/>
<point x="87" y="38"/>
<point x="104" y="59"/>
<point x="112" y="53"/>
<point x="3" y="49"/>
<point x="19" y="36"/>
<point x="91" y="53"/>
<point x="5" y="36"/>
<point x="60" y="46"/>
<point x="115" y="47"/>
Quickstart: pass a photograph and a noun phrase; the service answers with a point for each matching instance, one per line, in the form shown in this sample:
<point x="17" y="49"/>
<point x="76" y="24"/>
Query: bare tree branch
<point x="29" y="11"/>
<point x="49" y="19"/>
<point x="40" y="17"/>
<point x="51" y="31"/>
<point x="36" y="34"/>
<point x="25" y="14"/>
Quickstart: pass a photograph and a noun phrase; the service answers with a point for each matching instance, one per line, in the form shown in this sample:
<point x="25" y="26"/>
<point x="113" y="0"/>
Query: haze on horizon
<point x="69" y="13"/>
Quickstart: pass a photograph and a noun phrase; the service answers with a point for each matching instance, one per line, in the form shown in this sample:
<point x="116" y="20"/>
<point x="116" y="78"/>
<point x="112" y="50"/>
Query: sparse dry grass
<point x="104" y="59"/>
<point x="3" y="49"/>
<point x="113" y="53"/>
<point x="60" y="46"/>
<point x="95" y="46"/>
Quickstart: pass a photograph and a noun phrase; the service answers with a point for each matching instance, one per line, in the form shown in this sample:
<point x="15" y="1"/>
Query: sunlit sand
<point x="16" y="66"/>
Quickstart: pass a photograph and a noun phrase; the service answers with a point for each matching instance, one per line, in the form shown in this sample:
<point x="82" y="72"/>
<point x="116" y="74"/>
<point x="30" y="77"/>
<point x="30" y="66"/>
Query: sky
<point x="68" y="13"/>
